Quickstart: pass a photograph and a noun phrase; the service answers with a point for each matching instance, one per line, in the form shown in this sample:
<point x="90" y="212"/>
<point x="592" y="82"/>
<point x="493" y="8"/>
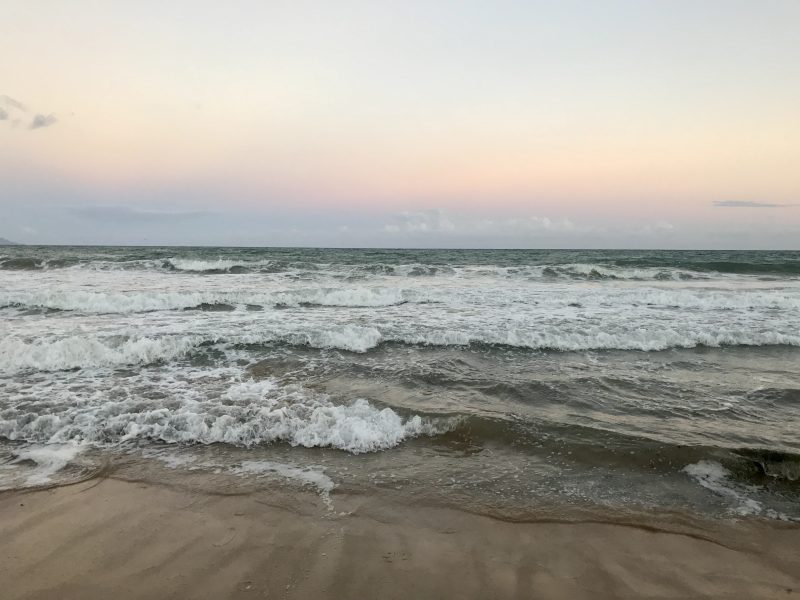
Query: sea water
<point x="509" y="379"/>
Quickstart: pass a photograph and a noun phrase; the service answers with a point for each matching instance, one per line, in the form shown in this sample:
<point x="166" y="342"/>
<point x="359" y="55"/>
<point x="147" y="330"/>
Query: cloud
<point x="427" y="221"/>
<point x="130" y="215"/>
<point x="749" y="204"/>
<point x="540" y="224"/>
<point x="9" y="103"/>
<point x="658" y="228"/>
<point x="8" y="106"/>
<point x="40" y="121"/>
<point x="440" y="223"/>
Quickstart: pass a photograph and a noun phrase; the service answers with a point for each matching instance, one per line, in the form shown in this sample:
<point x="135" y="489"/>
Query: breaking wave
<point x="212" y="266"/>
<point x="567" y="271"/>
<point x="416" y="270"/>
<point x="80" y="352"/>
<point x="133" y="302"/>
<point x="384" y="296"/>
<point x="247" y="413"/>
<point x="87" y="352"/>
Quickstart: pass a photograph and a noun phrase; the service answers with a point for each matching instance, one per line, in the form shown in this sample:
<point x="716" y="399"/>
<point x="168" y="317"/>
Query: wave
<point x="680" y="271"/>
<point x="785" y="266"/>
<point x="211" y="266"/>
<point x="92" y="351"/>
<point x="77" y="352"/>
<point x="247" y="414"/>
<point x="24" y="263"/>
<point x="590" y="446"/>
<point x="230" y="266"/>
<point x="577" y="264"/>
<point x="566" y="341"/>
<point x="773" y="464"/>
<point x="748" y="268"/>
<point x="600" y="272"/>
<point x="714" y="477"/>
<point x="307" y="269"/>
<point x="737" y="299"/>
<point x="577" y="271"/>
<point x="134" y="302"/>
<point x="383" y="296"/>
<point x="310" y="475"/>
<point x="37" y="465"/>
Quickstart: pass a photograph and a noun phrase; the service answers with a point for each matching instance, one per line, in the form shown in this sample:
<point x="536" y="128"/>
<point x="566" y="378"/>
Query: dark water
<point x="502" y="379"/>
<point x="261" y="259"/>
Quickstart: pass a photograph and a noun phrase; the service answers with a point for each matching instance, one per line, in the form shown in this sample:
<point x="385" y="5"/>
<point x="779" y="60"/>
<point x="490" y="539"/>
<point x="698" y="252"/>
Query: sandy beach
<point x="109" y="537"/>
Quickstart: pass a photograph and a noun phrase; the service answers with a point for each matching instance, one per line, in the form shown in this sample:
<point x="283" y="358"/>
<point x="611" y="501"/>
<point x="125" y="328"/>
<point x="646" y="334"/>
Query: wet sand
<point x="111" y="538"/>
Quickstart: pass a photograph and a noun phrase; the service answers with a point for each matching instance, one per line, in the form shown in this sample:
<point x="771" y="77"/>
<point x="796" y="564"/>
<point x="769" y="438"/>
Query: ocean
<point x="499" y="381"/>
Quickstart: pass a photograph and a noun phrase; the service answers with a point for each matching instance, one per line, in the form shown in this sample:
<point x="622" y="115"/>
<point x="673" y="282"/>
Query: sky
<point x="569" y="124"/>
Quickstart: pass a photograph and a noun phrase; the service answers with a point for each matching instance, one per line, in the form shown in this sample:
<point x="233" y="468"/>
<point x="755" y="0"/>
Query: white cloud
<point x="440" y="222"/>
<point x="428" y="221"/>
<point x="660" y="227"/>
<point x="538" y="224"/>
<point x="748" y="204"/>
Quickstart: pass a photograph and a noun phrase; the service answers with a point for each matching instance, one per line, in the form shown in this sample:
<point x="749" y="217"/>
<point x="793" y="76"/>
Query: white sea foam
<point x="355" y="297"/>
<point x="565" y="270"/>
<point x="104" y="302"/>
<point x="90" y="352"/>
<point x="591" y="271"/>
<point x="414" y="270"/>
<point x="591" y="338"/>
<point x="127" y="293"/>
<point x="119" y="359"/>
<point x="76" y="352"/>
<point x="241" y="413"/>
<point x="703" y="299"/>
<point x="148" y="301"/>
<point x="170" y="458"/>
<point x="306" y="475"/>
<point x="87" y="352"/>
<point x="47" y="461"/>
<point x="199" y="266"/>
<point x="310" y="475"/>
<point x="106" y="324"/>
<point x="222" y="265"/>
<point x="349" y="337"/>
<point x="716" y="478"/>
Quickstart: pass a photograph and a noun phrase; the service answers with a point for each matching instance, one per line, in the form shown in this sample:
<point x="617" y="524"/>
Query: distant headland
<point x="5" y="242"/>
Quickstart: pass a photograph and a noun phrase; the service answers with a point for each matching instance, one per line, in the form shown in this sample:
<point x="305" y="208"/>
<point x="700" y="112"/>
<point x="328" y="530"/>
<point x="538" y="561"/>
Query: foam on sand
<point x="310" y="475"/>
<point x="36" y="465"/>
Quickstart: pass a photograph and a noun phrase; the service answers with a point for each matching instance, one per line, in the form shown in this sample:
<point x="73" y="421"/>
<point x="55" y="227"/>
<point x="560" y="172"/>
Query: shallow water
<point x="508" y="379"/>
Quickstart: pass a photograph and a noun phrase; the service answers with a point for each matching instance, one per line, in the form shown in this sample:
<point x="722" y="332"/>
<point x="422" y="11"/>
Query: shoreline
<point x="111" y="537"/>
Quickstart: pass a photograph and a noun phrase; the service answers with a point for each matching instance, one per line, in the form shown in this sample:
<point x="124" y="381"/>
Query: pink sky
<point x="630" y="113"/>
